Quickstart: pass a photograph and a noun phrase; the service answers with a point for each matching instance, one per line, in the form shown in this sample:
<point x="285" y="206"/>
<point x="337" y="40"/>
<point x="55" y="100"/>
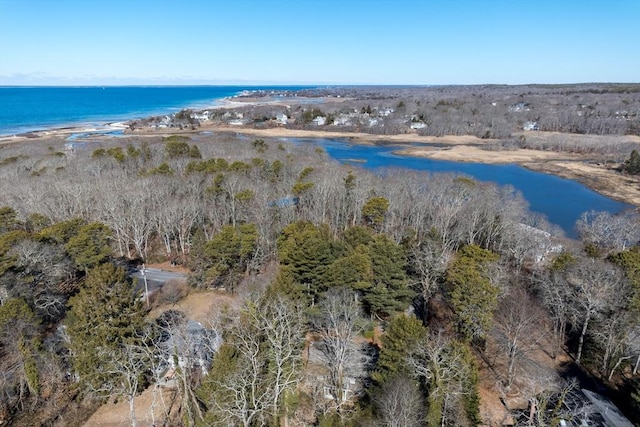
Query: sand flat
<point x="467" y="153"/>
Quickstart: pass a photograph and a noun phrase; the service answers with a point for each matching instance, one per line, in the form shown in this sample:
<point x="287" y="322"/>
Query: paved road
<point x="156" y="278"/>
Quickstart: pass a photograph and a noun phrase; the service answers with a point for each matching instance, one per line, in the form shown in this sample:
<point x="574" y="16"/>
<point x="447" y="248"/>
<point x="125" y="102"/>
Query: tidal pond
<point x="561" y="200"/>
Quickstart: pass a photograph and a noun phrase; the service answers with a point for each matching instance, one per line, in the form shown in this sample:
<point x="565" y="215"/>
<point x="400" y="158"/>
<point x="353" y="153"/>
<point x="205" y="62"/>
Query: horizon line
<point x="308" y="85"/>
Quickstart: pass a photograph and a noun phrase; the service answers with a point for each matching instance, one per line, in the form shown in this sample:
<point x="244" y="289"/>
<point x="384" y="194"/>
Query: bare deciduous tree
<point x="517" y="324"/>
<point x="430" y="262"/>
<point x="594" y="284"/>
<point x="556" y="297"/>
<point x="552" y="399"/>
<point x="338" y="325"/>
<point x="126" y="370"/>
<point x="442" y="366"/>
<point x="400" y="403"/>
<point x="267" y="364"/>
<point x="610" y="232"/>
<point x="282" y="324"/>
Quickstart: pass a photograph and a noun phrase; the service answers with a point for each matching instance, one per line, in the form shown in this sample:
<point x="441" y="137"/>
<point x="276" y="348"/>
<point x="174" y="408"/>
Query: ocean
<point x="25" y="109"/>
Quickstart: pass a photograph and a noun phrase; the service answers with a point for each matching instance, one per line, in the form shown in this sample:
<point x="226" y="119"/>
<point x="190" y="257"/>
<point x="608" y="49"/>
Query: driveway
<point x="156" y="278"/>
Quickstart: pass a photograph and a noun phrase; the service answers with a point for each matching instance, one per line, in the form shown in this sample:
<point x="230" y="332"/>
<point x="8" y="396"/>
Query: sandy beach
<point x="57" y="133"/>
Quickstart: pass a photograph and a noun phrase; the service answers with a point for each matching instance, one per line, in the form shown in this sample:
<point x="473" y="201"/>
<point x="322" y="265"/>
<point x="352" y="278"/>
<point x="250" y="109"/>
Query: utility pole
<point x="146" y="287"/>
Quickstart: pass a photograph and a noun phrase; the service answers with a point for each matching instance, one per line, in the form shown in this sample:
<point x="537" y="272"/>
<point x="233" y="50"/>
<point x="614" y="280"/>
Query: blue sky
<point x="104" y="42"/>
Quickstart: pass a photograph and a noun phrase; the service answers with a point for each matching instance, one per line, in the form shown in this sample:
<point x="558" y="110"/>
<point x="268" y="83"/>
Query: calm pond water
<point x="561" y="200"/>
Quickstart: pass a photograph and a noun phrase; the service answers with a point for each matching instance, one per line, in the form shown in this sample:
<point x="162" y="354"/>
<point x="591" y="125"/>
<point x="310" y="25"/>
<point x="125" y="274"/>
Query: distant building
<point x="537" y="244"/>
<point x="282" y="118"/>
<point x="71" y="147"/>
<point x="342" y="121"/>
<point x="165" y="122"/>
<point x="284" y="202"/>
<point x="203" y="116"/>
<point x="319" y="121"/>
<point x="520" y="106"/>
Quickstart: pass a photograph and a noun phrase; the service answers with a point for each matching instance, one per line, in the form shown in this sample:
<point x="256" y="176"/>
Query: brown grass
<point x="116" y="414"/>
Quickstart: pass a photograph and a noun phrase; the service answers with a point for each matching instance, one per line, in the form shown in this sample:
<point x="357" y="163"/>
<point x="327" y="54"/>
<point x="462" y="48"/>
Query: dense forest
<point x="394" y="298"/>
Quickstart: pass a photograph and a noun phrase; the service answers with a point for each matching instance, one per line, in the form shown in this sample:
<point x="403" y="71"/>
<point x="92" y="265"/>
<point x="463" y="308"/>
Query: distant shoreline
<point x="585" y="169"/>
<point x="37" y="109"/>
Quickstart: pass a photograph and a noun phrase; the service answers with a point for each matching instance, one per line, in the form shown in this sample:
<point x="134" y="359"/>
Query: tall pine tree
<point x="104" y="317"/>
<point x="308" y="251"/>
<point x="401" y="337"/>
<point x="390" y="290"/>
<point x="473" y="297"/>
<point x="632" y="164"/>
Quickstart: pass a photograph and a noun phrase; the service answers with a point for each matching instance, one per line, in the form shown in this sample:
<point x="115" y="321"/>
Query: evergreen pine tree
<point x="308" y="251"/>
<point x="357" y="235"/>
<point x="20" y="342"/>
<point x="402" y="335"/>
<point x="390" y="290"/>
<point x="374" y="212"/>
<point x="104" y="317"/>
<point x="90" y="246"/>
<point x="61" y="232"/>
<point x="353" y="270"/>
<point x="285" y="285"/>
<point x="473" y="297"/>
<point x="229" y="253"/>
<point x="632" y="164"/>
<point x="8" y="219"/>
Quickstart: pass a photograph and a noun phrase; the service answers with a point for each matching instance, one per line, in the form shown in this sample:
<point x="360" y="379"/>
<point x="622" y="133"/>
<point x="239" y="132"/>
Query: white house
<point x="165" y="122"/>
<point x="204" y="116"/>
<point x="537" y="244"/>
<point x="282" y="118"/>
<point x="319" y="121"/>
<point x="320" y="380"/>
<point x="342" y="121"/>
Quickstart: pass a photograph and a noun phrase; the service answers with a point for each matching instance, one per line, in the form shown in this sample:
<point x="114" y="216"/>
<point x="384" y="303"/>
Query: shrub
<point x="632" y="164"/>
<point x="173" y="291"/>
